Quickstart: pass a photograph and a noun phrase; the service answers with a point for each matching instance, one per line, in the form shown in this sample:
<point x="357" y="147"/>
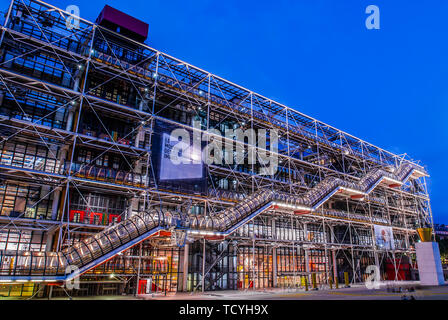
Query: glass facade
<point x="79" y="167"/>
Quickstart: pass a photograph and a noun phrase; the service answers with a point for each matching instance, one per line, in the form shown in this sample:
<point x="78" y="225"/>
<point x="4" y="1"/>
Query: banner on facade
<point x="384" y="237"/>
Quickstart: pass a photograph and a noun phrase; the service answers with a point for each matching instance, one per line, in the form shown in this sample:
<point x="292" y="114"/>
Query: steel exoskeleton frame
<point x="309" y="150"/>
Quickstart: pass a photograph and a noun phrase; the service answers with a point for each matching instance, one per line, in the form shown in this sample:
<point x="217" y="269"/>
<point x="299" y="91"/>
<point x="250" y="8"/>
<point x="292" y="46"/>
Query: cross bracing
<point x="78" y="118"/>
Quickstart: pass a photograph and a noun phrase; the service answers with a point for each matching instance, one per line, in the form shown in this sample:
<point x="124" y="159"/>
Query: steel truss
<point x="53" y="81"/>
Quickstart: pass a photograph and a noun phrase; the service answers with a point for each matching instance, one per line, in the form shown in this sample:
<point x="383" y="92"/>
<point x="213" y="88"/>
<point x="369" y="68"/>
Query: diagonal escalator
<point x="91" y="252"/>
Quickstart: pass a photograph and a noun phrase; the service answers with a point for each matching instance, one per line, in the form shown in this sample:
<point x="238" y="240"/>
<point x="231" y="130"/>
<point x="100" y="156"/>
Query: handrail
<point x="92" y="251"/>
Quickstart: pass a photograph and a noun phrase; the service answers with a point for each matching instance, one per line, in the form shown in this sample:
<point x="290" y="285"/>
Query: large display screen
<point x="179" y="160"/>
<point x="384" y="237"/>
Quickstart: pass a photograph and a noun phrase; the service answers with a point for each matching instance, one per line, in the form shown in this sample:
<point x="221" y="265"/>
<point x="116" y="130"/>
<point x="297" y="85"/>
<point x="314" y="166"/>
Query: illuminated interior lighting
<point x="235" y="207"/>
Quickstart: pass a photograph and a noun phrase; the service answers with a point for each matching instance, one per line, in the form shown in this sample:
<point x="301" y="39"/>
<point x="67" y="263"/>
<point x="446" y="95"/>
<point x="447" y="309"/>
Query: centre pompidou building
<point x="87" y="193"/>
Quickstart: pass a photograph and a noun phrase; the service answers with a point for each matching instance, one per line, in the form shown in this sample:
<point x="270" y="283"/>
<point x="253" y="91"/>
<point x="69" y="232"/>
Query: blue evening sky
<point x="388" y="86"/>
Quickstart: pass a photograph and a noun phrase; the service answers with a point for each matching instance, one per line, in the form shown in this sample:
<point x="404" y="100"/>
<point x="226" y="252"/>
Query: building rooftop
<point x="123" y="23"/>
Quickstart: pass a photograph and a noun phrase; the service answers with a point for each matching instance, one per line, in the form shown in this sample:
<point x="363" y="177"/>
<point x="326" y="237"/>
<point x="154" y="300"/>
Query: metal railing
<point x="121" y="236"/>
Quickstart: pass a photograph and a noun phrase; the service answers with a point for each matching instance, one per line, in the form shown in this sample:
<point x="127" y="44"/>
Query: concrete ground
<point x="387" y="291"/>
<point x="358" y="292"/>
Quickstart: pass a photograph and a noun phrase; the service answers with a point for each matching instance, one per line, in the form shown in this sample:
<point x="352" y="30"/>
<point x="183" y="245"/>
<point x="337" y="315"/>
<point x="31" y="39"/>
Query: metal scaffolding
<point x="81" y="110"/>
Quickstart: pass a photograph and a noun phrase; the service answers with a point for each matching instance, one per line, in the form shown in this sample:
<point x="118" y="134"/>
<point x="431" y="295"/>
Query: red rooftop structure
<point x="123" y="23"/>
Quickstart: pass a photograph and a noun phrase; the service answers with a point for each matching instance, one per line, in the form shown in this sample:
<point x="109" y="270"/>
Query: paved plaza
<point x="387" y="291"/>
